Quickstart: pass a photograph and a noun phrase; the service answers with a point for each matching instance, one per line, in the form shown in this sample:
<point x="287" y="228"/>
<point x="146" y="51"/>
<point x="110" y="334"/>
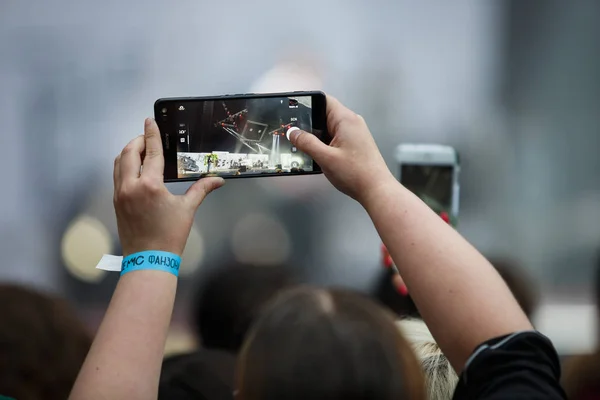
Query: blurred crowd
<point x="43" y="342"/>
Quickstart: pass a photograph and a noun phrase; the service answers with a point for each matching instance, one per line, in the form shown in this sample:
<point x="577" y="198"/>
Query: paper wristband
<point x="156" y="260"/>
<point x="115" y="263"/>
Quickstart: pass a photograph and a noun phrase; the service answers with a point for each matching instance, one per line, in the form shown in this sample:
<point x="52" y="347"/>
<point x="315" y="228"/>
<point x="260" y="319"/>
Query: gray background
<point x="513" y="85"/>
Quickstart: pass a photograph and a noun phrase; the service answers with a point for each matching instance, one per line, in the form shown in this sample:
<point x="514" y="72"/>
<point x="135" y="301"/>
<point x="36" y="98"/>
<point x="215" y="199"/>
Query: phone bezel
<point x="319" y="124"/>
<point x="434" y="155"/>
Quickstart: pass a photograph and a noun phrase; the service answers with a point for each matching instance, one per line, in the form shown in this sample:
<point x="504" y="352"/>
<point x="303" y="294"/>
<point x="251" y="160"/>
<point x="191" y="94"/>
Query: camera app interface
<point x="433" y="184"/>
<point x="241" y="136"/>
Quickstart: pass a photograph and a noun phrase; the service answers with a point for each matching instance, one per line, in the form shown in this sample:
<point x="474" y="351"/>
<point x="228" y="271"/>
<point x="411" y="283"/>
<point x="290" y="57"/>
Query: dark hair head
<point x="519" y="282"/>
<point x="230" y="300"/>
<point x="42" y="345"/>
<point x="202" y="375"/>
<point x="327" y="344"/>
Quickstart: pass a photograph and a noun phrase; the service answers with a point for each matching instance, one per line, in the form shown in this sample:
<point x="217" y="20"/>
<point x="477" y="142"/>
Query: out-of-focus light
<point x="193" y="254"/>
<point x="289" y="76"/>
<point x="571" y="327"/>
<point x="84" y="242"/>
<point x="260" y="239"/>
<point x="179" y="341"/>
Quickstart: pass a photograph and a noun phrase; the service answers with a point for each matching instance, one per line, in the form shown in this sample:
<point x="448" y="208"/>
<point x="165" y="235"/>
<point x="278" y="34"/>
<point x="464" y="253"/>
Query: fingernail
<point x="445" y="217"/>
<point x="293" y="133"/>
<point x="148" y="121"/>
<point x="218" y="182"/>
<point x="403" y="290"/>
<point x="387" y="261"/>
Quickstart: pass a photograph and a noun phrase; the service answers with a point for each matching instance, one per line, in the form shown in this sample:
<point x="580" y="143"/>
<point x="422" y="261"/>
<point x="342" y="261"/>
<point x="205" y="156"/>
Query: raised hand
<point x="149" y="217"/>
<point x="352" y="162"/>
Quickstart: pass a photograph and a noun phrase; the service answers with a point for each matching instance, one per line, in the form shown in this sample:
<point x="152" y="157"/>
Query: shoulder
<point x="522" y="365"/>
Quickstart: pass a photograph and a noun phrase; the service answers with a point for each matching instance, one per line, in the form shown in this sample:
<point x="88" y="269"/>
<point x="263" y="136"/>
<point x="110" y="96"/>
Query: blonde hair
<point x="440" y="377"/>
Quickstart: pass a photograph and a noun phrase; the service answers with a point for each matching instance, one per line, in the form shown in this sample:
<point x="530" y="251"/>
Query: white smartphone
<point x="431" y="172"/>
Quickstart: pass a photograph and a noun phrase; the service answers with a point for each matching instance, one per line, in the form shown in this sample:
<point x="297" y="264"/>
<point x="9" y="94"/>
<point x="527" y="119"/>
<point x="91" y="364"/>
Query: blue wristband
<point x="152" y="259"/>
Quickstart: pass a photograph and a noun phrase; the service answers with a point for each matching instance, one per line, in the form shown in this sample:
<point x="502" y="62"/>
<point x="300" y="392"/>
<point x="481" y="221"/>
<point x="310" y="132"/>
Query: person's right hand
<point x="352" y="162"/>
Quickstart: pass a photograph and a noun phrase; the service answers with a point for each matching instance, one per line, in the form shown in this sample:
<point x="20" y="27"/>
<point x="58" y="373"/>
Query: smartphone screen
<point x="433" y="184"/>
<point x="239" y="135"/>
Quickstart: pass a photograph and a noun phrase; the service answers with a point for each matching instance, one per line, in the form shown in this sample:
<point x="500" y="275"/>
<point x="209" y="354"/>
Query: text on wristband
<point x="165" y="261"/>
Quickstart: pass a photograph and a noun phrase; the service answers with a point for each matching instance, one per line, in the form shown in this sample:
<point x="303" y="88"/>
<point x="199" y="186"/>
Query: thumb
<point x="309" y="144"/>
<point x="198" y="191"/>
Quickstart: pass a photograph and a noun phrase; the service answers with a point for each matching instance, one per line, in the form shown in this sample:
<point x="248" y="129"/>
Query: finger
<point x="117" y="172"/>
<point x="333" y="104"/>
<point x="131" y="159"/>
<point x="336" y="113"/>
<point x="399" y="284"/>
<point x="310" y="145"/>
<point x="199" y="190"/>
<point x="397" y="280"/>
<point x="289" y="132"/>
<point x="154" y="161"/>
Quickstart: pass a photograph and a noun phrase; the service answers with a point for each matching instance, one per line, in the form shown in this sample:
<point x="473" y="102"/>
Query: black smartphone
<point x="240" y="135"/>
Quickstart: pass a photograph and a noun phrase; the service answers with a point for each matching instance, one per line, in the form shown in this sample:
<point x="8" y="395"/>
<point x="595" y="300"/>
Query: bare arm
<point x="459" y="294"/>
<point x="126" y="356"/>
<point x="125" y="359"/>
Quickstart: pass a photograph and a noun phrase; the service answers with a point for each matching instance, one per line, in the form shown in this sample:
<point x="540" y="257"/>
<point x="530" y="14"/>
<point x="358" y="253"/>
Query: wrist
<point x="378" y="192"/>
<point x="151" y="260"/>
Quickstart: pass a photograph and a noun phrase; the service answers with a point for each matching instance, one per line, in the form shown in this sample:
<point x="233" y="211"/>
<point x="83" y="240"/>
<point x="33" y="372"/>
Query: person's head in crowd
<point x="203" y="375"/>
<point x="231" y="298"/>
<point x="519" y="282"/>
<point x="440" y="377"/>
<point x="330" y="344"/>
<point x="42" y="344"/>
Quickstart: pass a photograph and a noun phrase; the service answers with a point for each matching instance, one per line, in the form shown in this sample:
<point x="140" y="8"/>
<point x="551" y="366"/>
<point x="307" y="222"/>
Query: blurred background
<point x="513" y="85"/>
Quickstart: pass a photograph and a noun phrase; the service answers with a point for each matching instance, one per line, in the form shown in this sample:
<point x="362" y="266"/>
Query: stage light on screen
<point x="193" y="254"/>
<point x="84" y="242"/>
<point x="261" y="239"/>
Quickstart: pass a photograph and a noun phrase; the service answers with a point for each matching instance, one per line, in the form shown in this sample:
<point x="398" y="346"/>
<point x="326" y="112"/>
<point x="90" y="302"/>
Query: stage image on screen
<point x="242" y="136"/>
<point x="433" y="184"/>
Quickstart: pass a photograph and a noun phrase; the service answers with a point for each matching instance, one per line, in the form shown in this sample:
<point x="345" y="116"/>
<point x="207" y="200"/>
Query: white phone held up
<point x="431" y="171"/>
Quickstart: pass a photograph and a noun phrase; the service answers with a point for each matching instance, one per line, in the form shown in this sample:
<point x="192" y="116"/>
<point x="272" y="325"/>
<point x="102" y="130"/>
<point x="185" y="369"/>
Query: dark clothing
<point x="202" y="375"/>
<point x="523" y="365"/>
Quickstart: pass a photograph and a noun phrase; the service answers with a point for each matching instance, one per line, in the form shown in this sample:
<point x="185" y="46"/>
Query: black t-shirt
<point x="523" y="365"/>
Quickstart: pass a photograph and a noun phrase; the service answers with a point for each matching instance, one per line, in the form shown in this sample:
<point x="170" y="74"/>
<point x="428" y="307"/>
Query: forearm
<point x="459" y="294"/>
<point x="125" y="359"/>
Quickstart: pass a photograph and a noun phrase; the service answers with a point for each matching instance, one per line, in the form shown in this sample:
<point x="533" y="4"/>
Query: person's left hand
<point x="149" y="217"/>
